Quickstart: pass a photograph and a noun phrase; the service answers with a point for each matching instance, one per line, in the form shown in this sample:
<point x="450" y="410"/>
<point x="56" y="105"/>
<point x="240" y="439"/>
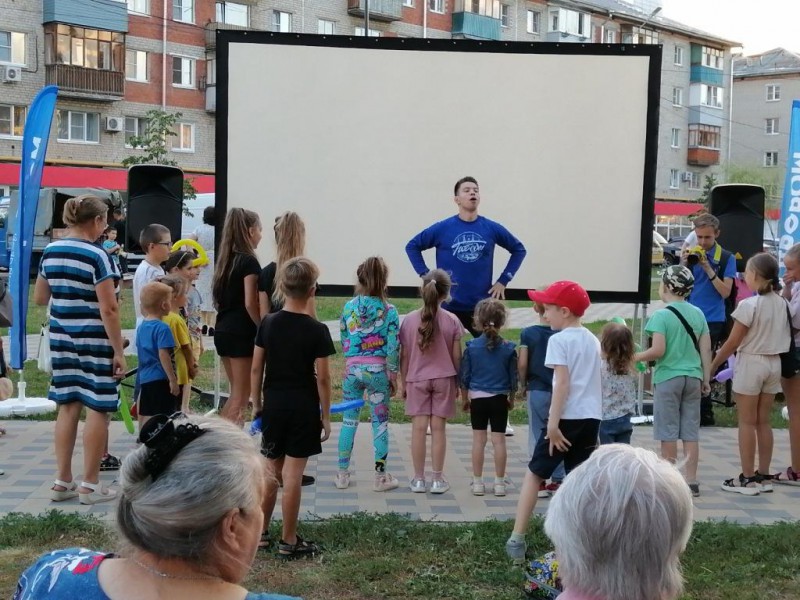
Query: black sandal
<point x="266" y="541"/>
<point x="301" y="548"/>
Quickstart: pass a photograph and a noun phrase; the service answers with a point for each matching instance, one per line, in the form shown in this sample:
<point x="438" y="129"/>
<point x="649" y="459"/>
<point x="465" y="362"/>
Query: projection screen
<point x="365" y="138"/>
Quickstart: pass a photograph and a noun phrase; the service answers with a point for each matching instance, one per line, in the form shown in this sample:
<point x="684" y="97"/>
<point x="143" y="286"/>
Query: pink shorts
<point x="433" y="397"/>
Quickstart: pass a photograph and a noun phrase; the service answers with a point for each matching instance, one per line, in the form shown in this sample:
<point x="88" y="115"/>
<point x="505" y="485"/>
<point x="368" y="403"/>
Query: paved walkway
<point x="26" y="456"/>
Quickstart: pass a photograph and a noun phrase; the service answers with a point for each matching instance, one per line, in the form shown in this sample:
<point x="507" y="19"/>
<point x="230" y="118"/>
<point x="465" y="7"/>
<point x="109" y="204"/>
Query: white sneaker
<point x="417" y="486"/>
<point x="439" y="486"/>
<point x="342" y="481"/>
<point x="385" y="482"/>
<point x="509" y="430"/>
<point x="478" y="488"/>
<point x="500" y="489"/>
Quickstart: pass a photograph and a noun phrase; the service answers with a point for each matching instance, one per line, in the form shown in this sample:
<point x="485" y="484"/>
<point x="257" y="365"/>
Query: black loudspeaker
<point x="740" y="210"/>
<point x="155" y="195"/>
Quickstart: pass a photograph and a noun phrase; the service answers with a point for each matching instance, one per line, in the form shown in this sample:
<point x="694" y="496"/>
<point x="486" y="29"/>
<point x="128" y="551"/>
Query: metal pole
<point x="366" y="18"/>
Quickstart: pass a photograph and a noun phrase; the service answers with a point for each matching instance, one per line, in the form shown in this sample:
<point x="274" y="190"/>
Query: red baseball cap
<point x="563" y="293"/>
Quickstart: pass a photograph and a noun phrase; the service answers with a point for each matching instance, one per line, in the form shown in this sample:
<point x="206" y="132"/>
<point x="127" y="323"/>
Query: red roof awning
<point x="109" y="179"/>
<point x="677" y="209"/>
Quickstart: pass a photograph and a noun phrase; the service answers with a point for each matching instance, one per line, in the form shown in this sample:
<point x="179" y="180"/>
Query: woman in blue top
<point x="189" y="514"/>
<point x="488" y="375"/>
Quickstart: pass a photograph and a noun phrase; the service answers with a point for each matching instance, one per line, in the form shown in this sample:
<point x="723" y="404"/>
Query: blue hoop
<point x="349" y="405"/>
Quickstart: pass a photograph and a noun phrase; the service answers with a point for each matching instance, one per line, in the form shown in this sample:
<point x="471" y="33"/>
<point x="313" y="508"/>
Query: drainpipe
<point x="164" y="58"/>
<point x="424" y="18"/>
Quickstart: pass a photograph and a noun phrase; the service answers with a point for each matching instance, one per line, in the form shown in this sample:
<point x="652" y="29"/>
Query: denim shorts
<point x="616" y="431"/>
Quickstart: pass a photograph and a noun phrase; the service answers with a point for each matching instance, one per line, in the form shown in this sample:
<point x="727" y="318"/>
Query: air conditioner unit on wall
<point x="115" y="124"/>
<point x="9" y="74"/>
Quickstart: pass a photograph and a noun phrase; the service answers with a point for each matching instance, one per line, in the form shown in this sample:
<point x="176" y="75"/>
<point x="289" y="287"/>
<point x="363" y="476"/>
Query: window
<point x="773" y="93"/>
<point x="134" y="127"/>
<point x="694" y="181"/>
<point x="76" y="126"/>
<point x="436" y="6"/>
<point x="231" y="13"/>
<point x="678" y="56"/>
<point x="770" y="159"/>
<point x="704" y="136"/>
<point x="611" y="36"/>
<point x="771" y="127"/>
<point x="372" y="32"/>
<point x="504" y="15"/>
<point x="135" y="65"/>
<point x="183" y="140"/>
<point x="675" y="141"/>
<point x="488" y="8"/>
<point x="326" y="27"/>
<point x="638" y="35"/>
<point x="711" y="95"/>
<point x="182" y="71"/>
<point x="570" y="22"/>
<point x="211" y="71"/>
<point x="139" y="6"/>
<point x="87" y="48"/>
<point x="534" y="21"/>
<point x="674" y="179"/>
<point x="407" y="3"/>
<point x="714" y="58"/>
<point x="183" y="10"/>
<point x="281" y="21"/>
<point x="677" y="96"/>
<point x="12" y="120"/>
<point x="12" y="47"/>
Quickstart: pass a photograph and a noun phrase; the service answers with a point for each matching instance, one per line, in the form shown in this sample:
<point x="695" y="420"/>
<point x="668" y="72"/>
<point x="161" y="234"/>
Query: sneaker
<point x="301" y="548"/>
<point x="543" y="493"/>
<point x="342" y="481"/>
<point x="385" y="482"/>
<point x="552" y="487"/>
<point x="307" y="480"/>
<point x="439" y="486"/>
<point x="500" y="489"/>
<point x="766" y="482"/>
<point x="516" y="550"/>
<point x="694" y="488"/>
<point x="417" y="486"/>
<point x="747" y="486"/>
<point x="478" y="488"/>
<point x="110" y="463"/>
<point x="509" y="430"/>
<point x="788" y="477"/>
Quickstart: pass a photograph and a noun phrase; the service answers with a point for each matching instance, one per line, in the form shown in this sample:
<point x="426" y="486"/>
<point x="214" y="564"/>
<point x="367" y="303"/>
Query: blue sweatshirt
<point x="466" y="251"/>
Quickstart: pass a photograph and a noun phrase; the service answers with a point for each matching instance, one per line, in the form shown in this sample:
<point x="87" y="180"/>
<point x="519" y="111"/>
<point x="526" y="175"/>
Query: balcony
<point x="211" y="98"/>
<point x="379" y="10"/>
<point x="91" y="84"/>
<point x="702" y="157"/>
<point x="211" y="32"/>
<point x="703" y="74"/>
<point x="475" y="27"/>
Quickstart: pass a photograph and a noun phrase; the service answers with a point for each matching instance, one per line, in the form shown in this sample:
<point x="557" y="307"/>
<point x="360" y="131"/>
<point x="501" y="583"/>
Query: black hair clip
<point x="164" y="441"/>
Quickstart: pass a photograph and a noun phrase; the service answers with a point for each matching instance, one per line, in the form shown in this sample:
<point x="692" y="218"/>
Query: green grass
<point x="389" y="556"/>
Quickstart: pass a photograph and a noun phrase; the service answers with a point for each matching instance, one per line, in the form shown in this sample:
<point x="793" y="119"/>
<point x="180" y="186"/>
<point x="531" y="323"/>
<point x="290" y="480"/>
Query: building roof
<point x="778" y="61"/>
<point x="629" y="12"/>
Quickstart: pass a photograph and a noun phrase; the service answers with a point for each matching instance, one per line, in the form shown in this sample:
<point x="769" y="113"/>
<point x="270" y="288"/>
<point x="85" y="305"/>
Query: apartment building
<point x="764" y="86"/>
<point x="114" y="61"/>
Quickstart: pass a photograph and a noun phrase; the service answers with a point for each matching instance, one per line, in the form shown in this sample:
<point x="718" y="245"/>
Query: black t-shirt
<point x="292" y="342"/>
<point x="266" y="284"/>
<point x="232" y="316"/>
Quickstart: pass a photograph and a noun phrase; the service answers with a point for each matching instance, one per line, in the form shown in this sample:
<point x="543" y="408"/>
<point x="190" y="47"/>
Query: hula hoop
<point x="125" y="413"/>
<point x="349" y="405"/>
<point x="202" y="257"/>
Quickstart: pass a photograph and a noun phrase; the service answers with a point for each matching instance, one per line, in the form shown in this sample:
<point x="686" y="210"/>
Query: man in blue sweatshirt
<point x="465" y="248"/>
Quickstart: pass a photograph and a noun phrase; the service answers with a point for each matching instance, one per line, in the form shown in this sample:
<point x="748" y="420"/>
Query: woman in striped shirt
<point x="77" y="277"/>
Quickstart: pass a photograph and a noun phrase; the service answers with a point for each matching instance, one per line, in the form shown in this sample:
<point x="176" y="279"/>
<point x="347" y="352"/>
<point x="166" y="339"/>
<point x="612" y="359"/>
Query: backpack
<point x="731" y="300"/>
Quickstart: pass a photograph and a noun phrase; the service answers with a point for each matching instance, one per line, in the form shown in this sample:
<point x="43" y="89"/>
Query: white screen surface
<point x="366" y="144"/>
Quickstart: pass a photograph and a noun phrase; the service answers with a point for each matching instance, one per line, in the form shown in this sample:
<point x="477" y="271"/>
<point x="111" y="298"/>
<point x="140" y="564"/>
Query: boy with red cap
<point x="577" y="405"/>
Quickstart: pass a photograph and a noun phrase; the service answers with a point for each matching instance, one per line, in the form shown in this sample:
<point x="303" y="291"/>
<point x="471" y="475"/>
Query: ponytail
<point x="490" y="316"/>
<point x="435" y="290"/>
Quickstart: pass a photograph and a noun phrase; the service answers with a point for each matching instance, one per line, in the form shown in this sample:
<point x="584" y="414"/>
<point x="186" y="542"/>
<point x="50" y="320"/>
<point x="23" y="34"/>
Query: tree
<point x="711" y="181"/>
<point x="153" y="144"/>
<point x="767" y="178"/>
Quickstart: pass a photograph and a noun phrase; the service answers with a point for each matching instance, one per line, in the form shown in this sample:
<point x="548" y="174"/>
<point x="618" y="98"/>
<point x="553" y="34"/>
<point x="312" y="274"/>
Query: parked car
<point x="672" y="251"/>
<point x="771" y="246"/>
<point x="658" y="254"/>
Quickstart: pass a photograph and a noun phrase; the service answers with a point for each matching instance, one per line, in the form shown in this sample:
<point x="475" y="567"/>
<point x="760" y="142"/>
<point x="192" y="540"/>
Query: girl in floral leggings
<point x="369" y="329"/>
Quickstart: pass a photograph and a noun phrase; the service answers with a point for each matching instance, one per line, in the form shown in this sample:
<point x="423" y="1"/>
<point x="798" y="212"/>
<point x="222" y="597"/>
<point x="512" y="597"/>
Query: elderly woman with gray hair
<point x="619" y="524"/>
<point x="189" y="514"/>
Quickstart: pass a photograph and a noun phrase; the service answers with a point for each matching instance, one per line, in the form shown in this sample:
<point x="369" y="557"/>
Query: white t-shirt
<point x="578" y="349"/>
<point x="690" y="241"/>
<point x="768" y="332"/>
<point x="145" y="273"/>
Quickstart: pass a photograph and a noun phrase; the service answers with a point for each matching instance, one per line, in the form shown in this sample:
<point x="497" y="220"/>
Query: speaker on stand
<point x="155" y="195"/>
<point x="740" y="210"/>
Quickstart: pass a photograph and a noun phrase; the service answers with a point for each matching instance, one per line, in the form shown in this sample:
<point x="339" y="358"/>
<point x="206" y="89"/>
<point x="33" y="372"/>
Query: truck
<point x="49" y="224"/>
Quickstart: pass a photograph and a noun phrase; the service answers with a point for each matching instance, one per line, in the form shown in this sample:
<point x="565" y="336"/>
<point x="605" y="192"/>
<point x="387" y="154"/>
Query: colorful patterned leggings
<point x="373" y="380"/>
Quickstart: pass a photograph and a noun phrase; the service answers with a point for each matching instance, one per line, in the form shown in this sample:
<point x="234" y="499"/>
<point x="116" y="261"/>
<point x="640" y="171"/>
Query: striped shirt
<point x="82" y="355"/>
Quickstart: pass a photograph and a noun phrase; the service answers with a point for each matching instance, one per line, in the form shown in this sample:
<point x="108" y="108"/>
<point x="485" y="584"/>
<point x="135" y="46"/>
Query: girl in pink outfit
<point x="430" y="355"/>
